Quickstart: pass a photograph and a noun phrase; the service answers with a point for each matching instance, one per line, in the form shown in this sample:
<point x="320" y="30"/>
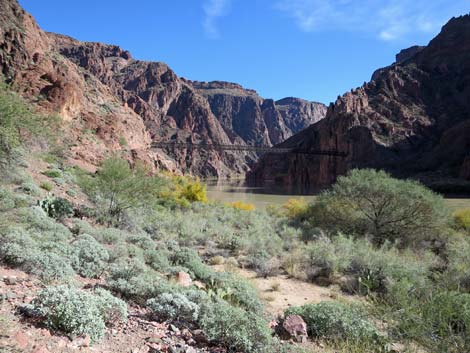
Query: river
<point x="261" y="197"/>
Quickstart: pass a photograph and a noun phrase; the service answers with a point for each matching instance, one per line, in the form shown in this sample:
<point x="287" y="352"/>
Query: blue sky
<point x="312" y="49"/>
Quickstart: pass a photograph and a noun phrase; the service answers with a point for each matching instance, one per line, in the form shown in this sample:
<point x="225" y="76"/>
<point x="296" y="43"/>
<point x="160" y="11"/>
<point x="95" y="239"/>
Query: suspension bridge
<point x="248" y="148"/>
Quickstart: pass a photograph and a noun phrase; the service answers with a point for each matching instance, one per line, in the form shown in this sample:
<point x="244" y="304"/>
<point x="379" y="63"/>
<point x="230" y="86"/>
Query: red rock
<point x="296" y="327"/>
<point x="184" y="279"/>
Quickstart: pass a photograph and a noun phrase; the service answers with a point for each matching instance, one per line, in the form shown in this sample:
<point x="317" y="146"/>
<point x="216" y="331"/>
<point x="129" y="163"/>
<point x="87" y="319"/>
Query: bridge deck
<point x="264" y="149"/>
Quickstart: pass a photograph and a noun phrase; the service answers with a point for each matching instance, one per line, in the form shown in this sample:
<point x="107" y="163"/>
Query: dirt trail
<point x="281" y="292"/>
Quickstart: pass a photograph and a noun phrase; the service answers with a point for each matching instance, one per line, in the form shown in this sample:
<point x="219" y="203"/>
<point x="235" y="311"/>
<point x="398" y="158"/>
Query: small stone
<point x="10" y="280"/>
<point x="154" y="340"/>
<point x="174" y="328"/>
<point x="82" y="341"/>
<point x="11" y="295"/>
<point x="190" y="350"/>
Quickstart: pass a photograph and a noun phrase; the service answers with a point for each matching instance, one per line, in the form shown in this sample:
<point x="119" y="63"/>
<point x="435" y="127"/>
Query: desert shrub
<point x="174" y="306"/>
<point x="53" y="173"/>
<point x="335" y="321"/>
<point x="326" y="258"/>
<point x="462" y="219"/>
<point x="295" y="209"/>
<point x="56" y="207"/>
<point x="439" y="320"/>
<point x="263" y="264"/>
<point x="157" y="259"/>
<point x="46" y="186"/>
<point x="373" y="203"/>
<point x="243" y="206"/>
<point x="457" y="274"/>
<point x="29" y="188"/>
<point x="118" y="187"/>
<point x="234" y="289"/>
<point x="7" y="200"/>
<point x="182" y="191"/>
<point x="217" y="260"/>
<point x="113" y="310"/>
<point x="18" y="121"/>
<point x="75" y="311"/>
<point x="110" y="235"/>
<point x="90" y="257"/>
<point x="133" y="280"/>
<point x="237" y="329"/>
<point x="71" y="192"/>
<point x="190" y="259"/>
<point x="49" y="267"/>
<point x="16" y="246"/>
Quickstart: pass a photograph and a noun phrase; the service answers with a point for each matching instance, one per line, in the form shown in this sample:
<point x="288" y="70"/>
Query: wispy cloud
<point x="214" y="9"/>
<point x="387" y="19"/>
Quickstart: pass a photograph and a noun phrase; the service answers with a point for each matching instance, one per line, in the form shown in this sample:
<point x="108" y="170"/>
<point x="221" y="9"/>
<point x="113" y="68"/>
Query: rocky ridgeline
<point x="112" y="102"/>
<point x="412" y="119"/>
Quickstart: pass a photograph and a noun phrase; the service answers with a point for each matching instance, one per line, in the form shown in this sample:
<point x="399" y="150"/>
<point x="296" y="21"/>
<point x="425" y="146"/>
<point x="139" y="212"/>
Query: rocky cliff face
<point x="257" y="121"/>
<point x="412" y="119"/>
<point x="111" y="102"/>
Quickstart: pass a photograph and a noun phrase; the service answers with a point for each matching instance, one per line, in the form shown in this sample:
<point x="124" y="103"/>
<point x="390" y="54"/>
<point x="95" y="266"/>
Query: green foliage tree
<point x="17" y="121"/>
<point x="119" y="187"/>
<point x="370" y="202"/>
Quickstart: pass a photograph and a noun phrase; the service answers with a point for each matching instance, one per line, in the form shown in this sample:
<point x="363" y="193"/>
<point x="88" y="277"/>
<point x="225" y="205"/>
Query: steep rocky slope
<point x="110" y="101"/>
<point x="257" y="121"/>
<point x="412" y="119"/>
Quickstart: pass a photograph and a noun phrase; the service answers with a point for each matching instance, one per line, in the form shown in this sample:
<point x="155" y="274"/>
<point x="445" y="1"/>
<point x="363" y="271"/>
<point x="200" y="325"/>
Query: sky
<point x="311" y="49"/>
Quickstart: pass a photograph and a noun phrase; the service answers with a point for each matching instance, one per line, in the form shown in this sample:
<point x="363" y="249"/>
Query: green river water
<point x="236" y="190"/>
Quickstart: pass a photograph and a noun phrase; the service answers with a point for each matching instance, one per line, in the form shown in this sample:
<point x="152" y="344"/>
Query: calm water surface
<point x="236" y="190"/>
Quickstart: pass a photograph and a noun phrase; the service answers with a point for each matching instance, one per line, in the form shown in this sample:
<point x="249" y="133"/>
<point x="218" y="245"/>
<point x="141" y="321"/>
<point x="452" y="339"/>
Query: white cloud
<point x="214" y="9"/>
<point x="386" y="19"/>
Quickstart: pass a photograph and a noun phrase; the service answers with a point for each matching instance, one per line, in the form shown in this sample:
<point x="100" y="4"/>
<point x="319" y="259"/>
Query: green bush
<point x="335" y="321"/>
<point x="135" y="281"/>
<point x="462" y="219"/>
<point x="239" y="330"/>
<point x="53" y="173"/>
<point x="117" y="188"/>
<point x="16" y="247"/>
<point x="89" y="257"/>
<point x="236" y="290"/>
<point x="50" y="267"/>
<point x="17" y="121"/>
<point x="29" y="188"/>
<point x="113" y="310"/>
<point x="78" y="312"/>
<point x="174" y="306"/>
<point x="263" y="264"/>
<point x="369" y="202"/>
<point x="56" y="207"/>
<point x="438" y="320"/>
<point x="7" y="200"/>
<point x="46" y="186"/>
<point x="457" y="274"/>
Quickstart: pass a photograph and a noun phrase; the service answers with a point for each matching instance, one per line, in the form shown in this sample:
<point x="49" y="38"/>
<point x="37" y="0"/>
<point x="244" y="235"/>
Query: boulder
<point x="295" y="327"/>
<point x="184" y="279"/>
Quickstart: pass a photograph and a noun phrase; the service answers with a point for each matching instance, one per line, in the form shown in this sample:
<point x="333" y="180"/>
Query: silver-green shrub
<point x="335" y="321"/>
<point x="174" y="306"/>
<point x="78" y="312"/>
<point x="90" y="257"/>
